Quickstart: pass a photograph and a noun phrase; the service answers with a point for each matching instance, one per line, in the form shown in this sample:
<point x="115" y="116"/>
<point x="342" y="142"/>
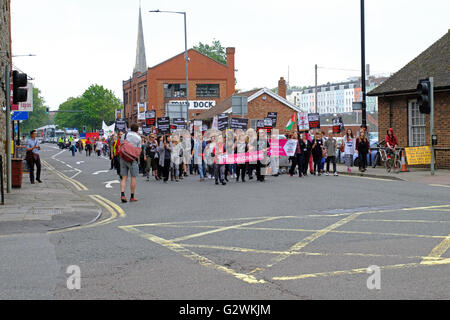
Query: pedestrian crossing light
<point x="423" y="100"/>
<point x="19" y="81"/>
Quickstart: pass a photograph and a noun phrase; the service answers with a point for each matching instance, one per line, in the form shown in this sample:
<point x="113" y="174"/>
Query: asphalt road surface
<point x="286" y="238"/>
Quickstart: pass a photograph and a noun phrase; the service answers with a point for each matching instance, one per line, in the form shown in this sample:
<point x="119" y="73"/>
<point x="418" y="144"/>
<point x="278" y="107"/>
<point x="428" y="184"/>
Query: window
<point x="141" y="94"/>
<point x="416" y="126"/>
<point x="208" y="90"/>
<point x="174" y="90"/>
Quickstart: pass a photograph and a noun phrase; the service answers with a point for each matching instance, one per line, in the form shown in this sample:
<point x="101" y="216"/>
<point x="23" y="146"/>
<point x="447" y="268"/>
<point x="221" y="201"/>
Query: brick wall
<point x="393" y="111"/>
<point x="5" y="43"/>
<point x="259" y="107"/>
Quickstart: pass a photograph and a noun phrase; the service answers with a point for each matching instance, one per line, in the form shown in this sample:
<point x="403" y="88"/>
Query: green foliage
<point x="96" y="103"/>
<point x="38" y="117"/>
<point x="215" y="51"/>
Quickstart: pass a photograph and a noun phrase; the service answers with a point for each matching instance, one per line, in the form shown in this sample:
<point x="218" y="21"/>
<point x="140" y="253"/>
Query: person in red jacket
<point x="391" y="141"/>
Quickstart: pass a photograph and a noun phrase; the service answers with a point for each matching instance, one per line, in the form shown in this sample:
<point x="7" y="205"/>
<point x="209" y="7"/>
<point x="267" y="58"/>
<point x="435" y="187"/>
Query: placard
<point x="239" y="123"/>
<point x="314" y="120"/>
<point x="268" y="124"/>
<point x="120" y="124"/>
<point x="223" y="121"/>
<point x="273" y="116"/>
<point x="338" y="125"/>
<point x="260" y="124"/>
<point x="146" y="130"/>
<point x="150" y="117"/>
<point x="163" y="125"/>
<point x="303" y="123"/>
<point x="180" y="123"/>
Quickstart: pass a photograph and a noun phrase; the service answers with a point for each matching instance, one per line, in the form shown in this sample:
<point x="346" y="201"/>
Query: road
<point x="286" y="238"/>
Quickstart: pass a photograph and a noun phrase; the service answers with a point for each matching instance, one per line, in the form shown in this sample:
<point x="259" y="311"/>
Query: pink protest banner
<point x="278" y="151"/>
<point x="241" y="157"/>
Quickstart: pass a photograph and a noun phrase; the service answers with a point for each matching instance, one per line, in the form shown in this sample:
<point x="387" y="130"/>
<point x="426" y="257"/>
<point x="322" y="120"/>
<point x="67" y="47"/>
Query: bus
<point x="46" y="134"/>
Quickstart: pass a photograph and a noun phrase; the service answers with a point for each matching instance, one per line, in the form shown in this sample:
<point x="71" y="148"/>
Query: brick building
<point x="209" y="82"/>
<point x="260" y="102"/>
<point x="397" y="101"/>
<point x="5" y="59"/>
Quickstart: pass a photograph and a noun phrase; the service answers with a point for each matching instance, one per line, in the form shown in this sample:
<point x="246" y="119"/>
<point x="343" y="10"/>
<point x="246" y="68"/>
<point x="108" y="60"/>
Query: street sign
<point x="239" y="105"/>
<point x="357" y="106"/>
<point x="19" y="115"/>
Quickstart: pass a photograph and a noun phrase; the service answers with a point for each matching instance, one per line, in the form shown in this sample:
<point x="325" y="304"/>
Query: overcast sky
<point x="82" y="42"/>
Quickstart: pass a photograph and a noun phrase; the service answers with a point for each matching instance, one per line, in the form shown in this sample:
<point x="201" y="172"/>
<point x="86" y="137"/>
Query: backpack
<point x="129" y="152"/>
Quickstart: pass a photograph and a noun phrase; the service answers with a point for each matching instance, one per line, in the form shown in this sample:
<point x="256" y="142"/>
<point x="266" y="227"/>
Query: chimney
<point x="231" y="77"/>
<point x="282" y="88"/>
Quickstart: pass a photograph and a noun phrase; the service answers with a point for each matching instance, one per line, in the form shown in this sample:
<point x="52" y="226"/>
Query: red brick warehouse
<point x="209" y="82"/>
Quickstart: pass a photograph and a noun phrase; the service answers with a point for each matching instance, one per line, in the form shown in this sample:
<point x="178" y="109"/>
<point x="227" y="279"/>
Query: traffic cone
<point x="403" y="162"/>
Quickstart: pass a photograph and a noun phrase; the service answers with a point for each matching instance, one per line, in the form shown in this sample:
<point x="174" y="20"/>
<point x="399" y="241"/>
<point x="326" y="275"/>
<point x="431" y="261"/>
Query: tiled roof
<point x="433" y="62"/>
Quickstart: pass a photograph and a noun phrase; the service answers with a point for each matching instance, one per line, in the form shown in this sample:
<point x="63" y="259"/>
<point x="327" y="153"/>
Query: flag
<point x="291" y="122"/>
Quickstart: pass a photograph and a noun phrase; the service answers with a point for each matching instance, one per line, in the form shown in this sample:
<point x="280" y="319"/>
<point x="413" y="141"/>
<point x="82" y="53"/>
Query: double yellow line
<point x="110" y="206"/>
<point x="78" y="185"/>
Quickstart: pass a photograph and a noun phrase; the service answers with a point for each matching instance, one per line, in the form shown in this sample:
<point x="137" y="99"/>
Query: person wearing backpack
<point x="132" y="142"/>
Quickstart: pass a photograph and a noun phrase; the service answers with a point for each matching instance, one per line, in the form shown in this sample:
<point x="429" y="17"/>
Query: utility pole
<point x="315" y="98"/>
<point x="186" y="59"/>
<point x="8" y="128"/>
<point x="363" y="67"/>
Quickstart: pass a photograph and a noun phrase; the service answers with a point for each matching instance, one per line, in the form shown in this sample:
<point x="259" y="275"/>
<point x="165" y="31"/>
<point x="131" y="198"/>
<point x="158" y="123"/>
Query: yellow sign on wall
<point x="418" y="155"/>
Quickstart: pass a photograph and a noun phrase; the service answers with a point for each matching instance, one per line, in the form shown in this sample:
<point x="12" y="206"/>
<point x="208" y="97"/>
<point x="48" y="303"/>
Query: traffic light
<point x="46" y="110"/>
<point x="84" y="129"/>
<point x="423" y="101"/>
<point x="19" y="81"/>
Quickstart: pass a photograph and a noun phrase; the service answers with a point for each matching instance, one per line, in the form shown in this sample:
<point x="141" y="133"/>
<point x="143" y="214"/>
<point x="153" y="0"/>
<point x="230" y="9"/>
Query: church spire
<point x="141" y="61"/>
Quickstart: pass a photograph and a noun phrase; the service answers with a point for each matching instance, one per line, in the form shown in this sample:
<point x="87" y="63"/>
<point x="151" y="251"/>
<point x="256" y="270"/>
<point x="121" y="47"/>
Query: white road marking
<point x="109" y="183"/>
<point x="101" y="171"/>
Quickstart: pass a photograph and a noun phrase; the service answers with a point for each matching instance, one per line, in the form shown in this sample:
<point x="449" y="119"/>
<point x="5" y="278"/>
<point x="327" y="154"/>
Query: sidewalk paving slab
<point x="45" y="206"/>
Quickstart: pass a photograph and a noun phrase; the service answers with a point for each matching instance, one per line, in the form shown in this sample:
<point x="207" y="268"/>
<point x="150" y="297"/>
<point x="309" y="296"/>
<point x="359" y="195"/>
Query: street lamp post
<point x="363" y="67"/>
<point x="186" y="59"/>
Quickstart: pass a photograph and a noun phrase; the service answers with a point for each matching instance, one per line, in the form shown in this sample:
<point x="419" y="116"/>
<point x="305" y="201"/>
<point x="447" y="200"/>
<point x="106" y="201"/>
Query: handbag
<point x="129" y="152"/>
<point x="30" y="156"/>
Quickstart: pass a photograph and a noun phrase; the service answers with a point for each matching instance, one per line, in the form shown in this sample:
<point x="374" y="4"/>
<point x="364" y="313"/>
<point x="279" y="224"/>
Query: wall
<point x="399" y="122"/>
<point x="5" y="43"/>
<point x="258" y="109"/>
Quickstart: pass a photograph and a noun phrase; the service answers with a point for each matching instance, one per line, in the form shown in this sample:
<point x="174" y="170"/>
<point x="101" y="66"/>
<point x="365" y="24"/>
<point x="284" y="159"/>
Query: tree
<point x="66" y="119"/>
<point x="96" y="103"/>
<point x="215" y="51"/>
<point x="38" y="117"/>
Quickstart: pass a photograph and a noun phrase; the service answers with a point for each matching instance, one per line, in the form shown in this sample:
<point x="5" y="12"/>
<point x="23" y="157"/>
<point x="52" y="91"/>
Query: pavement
<point x="42" y="207"/>
<point x="419" y="175"/>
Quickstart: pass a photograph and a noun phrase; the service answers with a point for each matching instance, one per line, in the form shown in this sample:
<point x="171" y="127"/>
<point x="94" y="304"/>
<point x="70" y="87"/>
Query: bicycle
<point x="393" y="162"/>
<point x="380" y="155"/>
